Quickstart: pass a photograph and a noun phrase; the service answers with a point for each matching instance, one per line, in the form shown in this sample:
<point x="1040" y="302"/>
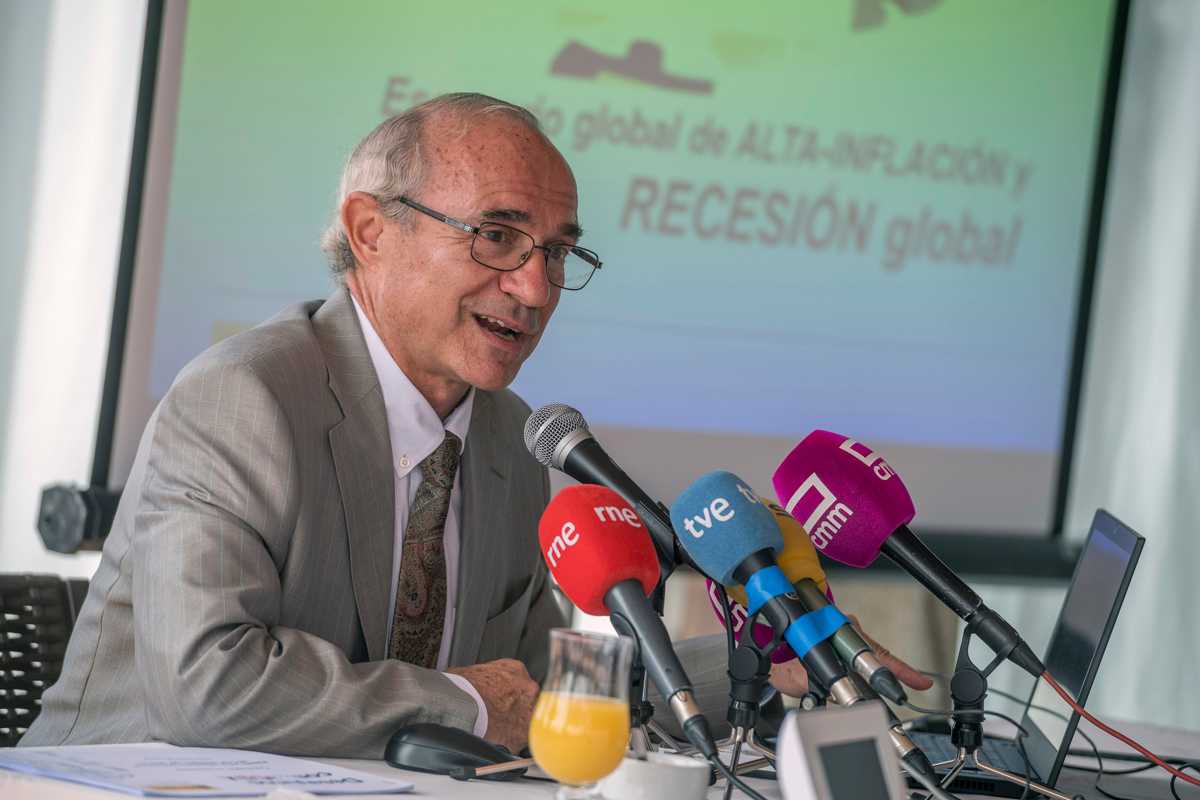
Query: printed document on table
<point x="163" y="770"/>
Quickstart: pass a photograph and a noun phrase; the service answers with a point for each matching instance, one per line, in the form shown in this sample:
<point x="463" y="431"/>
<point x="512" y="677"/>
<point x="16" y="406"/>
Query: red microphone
<point x="592" y="539"/>
<point x="599" y="552"/>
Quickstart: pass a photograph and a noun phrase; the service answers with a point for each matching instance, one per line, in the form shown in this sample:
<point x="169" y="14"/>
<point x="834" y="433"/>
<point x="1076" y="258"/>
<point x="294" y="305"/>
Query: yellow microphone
<point x="802" y="566"/>
<point x="798" y="558"/>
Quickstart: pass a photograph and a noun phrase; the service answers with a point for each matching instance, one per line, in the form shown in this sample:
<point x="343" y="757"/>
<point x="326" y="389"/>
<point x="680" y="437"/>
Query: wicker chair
<point x="37" y="613"/>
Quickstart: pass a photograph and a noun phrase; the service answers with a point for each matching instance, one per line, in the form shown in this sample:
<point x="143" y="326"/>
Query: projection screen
<point x="864" y="216"/>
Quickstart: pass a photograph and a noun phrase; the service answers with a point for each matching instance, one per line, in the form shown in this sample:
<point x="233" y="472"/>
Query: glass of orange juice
<point x="580" y="727"/>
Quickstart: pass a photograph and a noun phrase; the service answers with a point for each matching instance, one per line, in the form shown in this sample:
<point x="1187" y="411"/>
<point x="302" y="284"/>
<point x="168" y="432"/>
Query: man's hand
<point x="791" y="679"/>
<point x="508" y="694"/>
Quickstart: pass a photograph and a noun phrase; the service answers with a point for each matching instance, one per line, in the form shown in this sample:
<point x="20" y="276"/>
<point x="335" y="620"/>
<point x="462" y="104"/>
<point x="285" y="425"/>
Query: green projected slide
<point x="861" y="215"/>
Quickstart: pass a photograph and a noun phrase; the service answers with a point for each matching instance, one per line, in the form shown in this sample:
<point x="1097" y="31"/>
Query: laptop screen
<point x="1077" y="644"/>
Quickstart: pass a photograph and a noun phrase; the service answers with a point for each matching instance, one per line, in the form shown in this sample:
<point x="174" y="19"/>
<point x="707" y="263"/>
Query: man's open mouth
<point x="497" y="327"/>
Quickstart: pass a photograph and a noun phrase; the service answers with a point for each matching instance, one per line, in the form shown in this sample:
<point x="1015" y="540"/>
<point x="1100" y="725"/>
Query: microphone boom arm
<point x="586" y="459"/>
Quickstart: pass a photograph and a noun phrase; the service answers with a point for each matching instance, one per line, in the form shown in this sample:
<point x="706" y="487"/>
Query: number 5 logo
<point x="881" y="468"/>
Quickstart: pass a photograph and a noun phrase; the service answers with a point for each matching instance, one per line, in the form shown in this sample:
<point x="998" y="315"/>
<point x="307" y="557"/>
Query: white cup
<point x="660" y="775"/>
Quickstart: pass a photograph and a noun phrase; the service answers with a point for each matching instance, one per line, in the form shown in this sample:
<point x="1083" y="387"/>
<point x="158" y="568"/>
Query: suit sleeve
<point x="213" y="526"/>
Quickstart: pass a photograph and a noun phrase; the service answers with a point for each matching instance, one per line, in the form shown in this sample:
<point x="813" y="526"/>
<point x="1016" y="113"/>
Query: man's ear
<point x="362" y="219"/>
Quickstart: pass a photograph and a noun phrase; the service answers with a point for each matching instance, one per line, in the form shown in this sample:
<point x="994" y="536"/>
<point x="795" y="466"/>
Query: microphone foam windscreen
<point x="592" y="540"/>
<point x="798" y="559"/>
<point x="846" y="496"/>
<point x="719" y="521"/>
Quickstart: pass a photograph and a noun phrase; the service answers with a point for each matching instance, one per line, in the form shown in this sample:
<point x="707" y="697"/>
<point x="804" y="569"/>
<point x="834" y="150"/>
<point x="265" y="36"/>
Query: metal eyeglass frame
<point x="588" y="256"/>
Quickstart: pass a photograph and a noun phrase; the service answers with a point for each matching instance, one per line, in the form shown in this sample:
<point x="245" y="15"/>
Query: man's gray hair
<point x="389" y="162"/>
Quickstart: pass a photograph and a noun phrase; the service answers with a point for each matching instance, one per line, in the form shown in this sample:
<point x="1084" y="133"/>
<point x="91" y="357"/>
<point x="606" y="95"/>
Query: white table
<point x="14" y="786"/>
<point x="1152" y="784"/>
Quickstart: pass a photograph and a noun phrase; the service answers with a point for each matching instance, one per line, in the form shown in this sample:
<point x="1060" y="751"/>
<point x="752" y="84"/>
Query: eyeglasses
<point x="502" y="247"/>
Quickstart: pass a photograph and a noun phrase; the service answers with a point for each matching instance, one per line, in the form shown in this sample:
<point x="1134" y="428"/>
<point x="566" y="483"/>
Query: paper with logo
<point x="163" y="770"/>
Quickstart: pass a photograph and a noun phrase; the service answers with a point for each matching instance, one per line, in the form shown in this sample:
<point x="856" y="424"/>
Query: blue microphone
<point x="733" y="537"/>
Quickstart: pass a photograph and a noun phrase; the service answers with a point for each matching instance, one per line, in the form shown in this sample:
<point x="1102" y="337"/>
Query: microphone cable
<point x="1151" y="760"/>
<point x="728" y="620"/>
<point x="931" y="786"/>
<point x="1113" y="732"/>
<point x="734" y="779"/>
<point x="934" y="790"/>
<point x="1099" y="769"/>
<point x="1192" y="765"/>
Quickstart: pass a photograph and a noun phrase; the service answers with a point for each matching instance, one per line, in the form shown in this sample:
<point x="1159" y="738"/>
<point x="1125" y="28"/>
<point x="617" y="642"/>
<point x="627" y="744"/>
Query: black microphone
<point x="853" y="505"/>
<point x="783" y="611"/>
<point x="853" y="649"/>
<point x="910" y="755"/>
<point x="802" y="566"/>
<point x="733" y="538"/>
<point x="598" y="552"/>
<point x="557" y="435"/>
<point x="911" y="555"/>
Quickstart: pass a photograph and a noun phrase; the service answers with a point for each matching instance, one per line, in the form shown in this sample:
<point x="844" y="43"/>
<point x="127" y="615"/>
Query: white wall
<point x="24" y="32"/>
<point x="1139" y="440"/>
<point x="73" y="197"/>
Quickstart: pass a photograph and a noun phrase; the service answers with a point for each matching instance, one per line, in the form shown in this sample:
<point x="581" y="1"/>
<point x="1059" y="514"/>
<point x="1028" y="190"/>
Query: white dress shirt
<point x="415" y="431"/>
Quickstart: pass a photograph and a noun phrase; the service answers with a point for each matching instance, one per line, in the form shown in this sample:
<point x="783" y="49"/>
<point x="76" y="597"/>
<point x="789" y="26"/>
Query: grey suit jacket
<point x="242" y="596"/>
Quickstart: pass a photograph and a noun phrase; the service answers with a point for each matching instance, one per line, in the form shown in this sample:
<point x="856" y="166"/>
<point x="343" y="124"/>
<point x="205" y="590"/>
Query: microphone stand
<point x="968" y="689"/>
<point x="749" y="669"/>
<point x="641" y="710"/>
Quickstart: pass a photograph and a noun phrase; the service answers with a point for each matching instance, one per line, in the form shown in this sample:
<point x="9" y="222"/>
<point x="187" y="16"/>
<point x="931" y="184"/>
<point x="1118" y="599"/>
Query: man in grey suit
<point x="330" y="528"/>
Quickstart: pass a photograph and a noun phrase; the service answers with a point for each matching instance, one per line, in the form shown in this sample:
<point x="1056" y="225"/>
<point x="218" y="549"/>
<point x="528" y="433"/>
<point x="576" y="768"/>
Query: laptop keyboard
<point x="1000" y="753"/>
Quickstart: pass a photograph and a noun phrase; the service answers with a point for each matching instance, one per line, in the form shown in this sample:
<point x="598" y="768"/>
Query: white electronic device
<point x="838" y="754"/>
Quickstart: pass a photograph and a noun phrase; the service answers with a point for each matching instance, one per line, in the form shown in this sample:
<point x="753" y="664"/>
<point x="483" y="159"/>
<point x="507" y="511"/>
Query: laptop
<point x="1085" y="621"/>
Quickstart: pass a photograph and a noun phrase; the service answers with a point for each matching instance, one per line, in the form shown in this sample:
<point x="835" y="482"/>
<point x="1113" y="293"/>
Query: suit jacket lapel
<point x="362" y="459"/>
<point x="484" y="476"/>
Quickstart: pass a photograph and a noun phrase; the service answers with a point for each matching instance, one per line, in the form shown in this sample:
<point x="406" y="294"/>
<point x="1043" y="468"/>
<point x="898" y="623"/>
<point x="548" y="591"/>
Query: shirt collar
<point x="414" y="427"/>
